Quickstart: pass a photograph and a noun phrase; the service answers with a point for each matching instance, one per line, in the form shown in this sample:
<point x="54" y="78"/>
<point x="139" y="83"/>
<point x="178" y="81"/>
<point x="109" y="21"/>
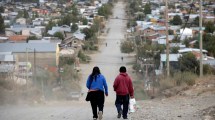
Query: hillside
<point x="194" y="103"/>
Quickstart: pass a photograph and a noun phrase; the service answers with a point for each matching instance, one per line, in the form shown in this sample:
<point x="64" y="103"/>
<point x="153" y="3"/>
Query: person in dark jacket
<point x="96" y="83"/>
<point x="124" y="90"/>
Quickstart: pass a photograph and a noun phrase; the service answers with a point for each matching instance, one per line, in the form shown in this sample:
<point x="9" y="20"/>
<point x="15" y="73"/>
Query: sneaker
<point x="100" y="115"/>
<point x="94" y="118"/>
<point x="125" y="118"/>
<point x="119" y="114"/>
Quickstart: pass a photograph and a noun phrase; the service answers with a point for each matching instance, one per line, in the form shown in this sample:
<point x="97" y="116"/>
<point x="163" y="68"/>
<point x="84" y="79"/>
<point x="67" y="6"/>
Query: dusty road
<point x="108" y="59"/>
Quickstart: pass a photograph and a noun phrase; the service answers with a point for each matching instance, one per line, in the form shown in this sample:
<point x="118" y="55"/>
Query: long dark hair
<point x="94" y="73"/>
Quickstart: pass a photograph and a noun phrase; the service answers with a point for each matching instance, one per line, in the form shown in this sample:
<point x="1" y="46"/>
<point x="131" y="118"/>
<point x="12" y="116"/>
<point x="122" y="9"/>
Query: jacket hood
<point x="123" y="74"/>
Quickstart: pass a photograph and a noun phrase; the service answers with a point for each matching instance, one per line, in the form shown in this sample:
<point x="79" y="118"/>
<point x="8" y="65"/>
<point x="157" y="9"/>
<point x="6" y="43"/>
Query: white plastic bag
<point x="132" y="105"/>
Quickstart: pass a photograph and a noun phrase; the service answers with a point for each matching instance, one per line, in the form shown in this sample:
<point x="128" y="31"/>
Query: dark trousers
<point x="122" y="100"/>
<point x="97" y="100"/>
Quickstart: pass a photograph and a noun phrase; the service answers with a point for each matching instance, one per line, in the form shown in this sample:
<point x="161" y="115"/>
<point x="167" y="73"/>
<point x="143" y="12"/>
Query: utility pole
<point x="200" y="38"/>
<point x="167" y="40"/>
<point x="34" y="65"/>
<point x="27" y="71"/>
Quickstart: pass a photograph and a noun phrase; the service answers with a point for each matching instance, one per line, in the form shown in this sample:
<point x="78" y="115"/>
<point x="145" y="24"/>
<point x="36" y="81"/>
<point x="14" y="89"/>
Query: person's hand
<point x="106" y="94"/>
<point x="131" y="97"/>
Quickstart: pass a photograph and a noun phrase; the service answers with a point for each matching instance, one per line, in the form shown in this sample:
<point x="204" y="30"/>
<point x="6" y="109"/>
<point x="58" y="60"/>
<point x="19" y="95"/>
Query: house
<point x="104" y="1"/>
<point x="21" y="21"/>
<point x="151" y="30"/>
<point x="3" y="39"/>
<point x="173" y="60"/>
<point x="73" y="42"/>
<point x="192" y="16"/>
<point x="63" y="28"/>
<point x="81" y="27"/>
<point x="7" y="58"/>
<point x="7" y="22"/>
<point x="174" y="28"/>
<point x="7" y="63"/>
<point x="143" y="23"/>
<point x="178" y="45"/>
<point x="209" y="19"/>
<point x="186" y="33"/>
<point x="43" y="53"/>
<point x="162" y="39"/>
<point x="172" y="15"/>
<point x="195" y="51"/>
<point x="18" y="38"/>
<point x="195" y="30"/>
<point x="46" y="40"/>
<point x="26" y="30"/>
<point x="79" y="35"/>
<point x="38" y="21"/>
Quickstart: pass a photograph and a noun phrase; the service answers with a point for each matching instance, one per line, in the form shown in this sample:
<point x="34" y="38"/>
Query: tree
<point x="32" y="38"/>
<point x="88" y="32"/>
<point x="209" y="27"/>
<point x="66" y="20"/>
<point x="176" y="20"/>
<point x="127" y="47"/>
<point x="189" y="63"/>
<point x="1" y="9"/>
<point x="74" y="27"/>
<point x="84" y="21"/>
<point x="196" y="21"/>
<point x="214" y="11"/>
<point x="74" y="10"/>
<point x="59" y="35"/>
<point x="209" y="42"/>
<point x="2" y="26"/>
<point x="171" y="32"/>
<point x="105" y="10"/>
<point x="25" y="14"/>
<point x="49" y="26"/>
<point x="147" y="9"/>
<point x="174" y="49"/>
<point x="20" y="14"/>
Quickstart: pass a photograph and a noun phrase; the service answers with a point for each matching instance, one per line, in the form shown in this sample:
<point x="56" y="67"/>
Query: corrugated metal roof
<point x="5" y="53"/>
<point x="21" y="47"/>
<point x="7" y="58"/>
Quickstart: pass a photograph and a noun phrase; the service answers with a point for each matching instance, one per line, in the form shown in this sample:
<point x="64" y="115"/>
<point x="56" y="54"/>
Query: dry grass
<point x="166" y="84"/>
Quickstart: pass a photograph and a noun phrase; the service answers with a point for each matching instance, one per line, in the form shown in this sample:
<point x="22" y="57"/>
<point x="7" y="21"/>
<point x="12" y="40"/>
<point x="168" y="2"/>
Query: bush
<point x="136" y="67"/>
<point x="83" y="57"/>
<point x="66" y="60"/>
<point x="90" y="46"/>
<point x="185" y="77"/>
<point x="166" y="84"/>
<point x="207" y="69"/>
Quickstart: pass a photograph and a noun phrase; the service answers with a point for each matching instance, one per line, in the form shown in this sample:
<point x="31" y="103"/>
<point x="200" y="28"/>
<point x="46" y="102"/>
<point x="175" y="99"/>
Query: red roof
<point x="18" y="38"/>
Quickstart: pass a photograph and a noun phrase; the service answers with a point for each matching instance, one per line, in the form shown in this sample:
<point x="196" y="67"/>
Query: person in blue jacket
<point x="96" y="83"/>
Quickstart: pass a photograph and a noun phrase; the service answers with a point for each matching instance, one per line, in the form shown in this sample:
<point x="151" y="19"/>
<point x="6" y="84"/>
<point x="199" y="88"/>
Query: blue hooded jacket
<point x="98" y="83"/>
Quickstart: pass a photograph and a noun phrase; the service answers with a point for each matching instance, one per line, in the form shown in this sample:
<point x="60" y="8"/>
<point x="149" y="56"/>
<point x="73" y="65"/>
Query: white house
<point x="173" y="58"/>
<point x="63" y="28"/>
<point x="21" y="21"/>
<point x="186" y="33"/>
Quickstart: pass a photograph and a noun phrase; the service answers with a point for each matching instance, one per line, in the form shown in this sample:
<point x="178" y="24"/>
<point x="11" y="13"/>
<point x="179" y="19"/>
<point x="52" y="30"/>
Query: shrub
<point x="83" y="57"/>
<point x="185" y="77"/>
<point x="207" y="69"/>
<point x="166" y="84"/>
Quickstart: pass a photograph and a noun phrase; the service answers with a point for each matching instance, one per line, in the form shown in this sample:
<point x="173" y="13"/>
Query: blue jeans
<point x="122" y="100"/>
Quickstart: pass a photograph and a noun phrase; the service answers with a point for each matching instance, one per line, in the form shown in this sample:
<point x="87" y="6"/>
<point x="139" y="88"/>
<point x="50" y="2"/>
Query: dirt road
<point x="108" y="59"/>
